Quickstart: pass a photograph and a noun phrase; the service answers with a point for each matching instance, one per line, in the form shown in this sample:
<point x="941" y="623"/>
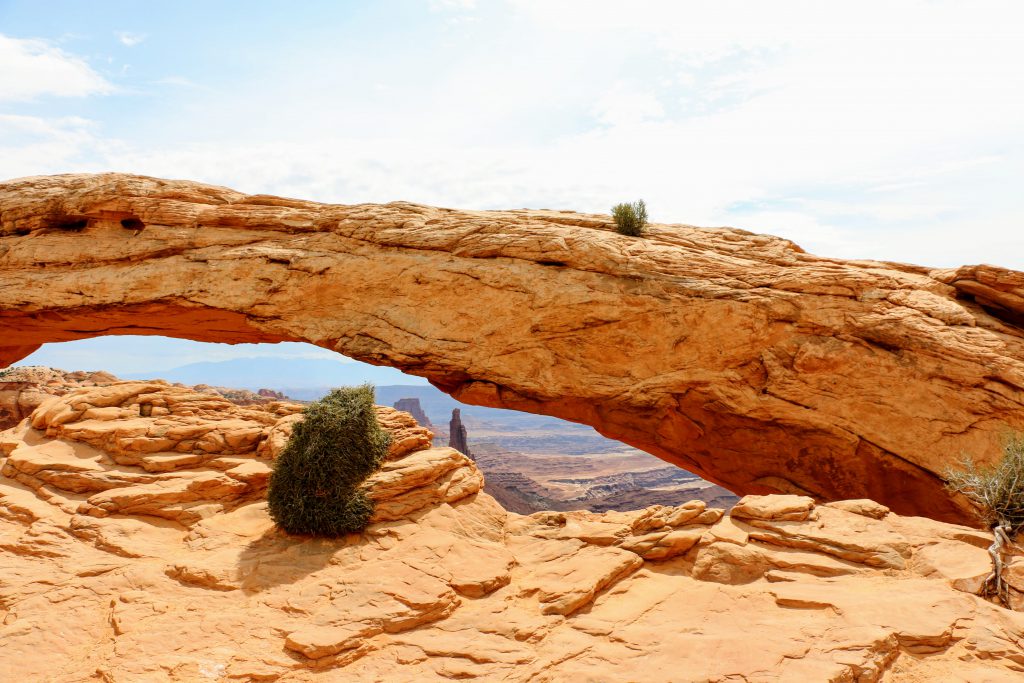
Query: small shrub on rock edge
<point x="630" y="219"/>
<point x="314" y="488"/>
<point x="998" y="492"/>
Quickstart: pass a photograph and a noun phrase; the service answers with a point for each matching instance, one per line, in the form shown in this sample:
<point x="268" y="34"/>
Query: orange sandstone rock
<point x="737" y="356"/>
<point x="446" y="584"/>
<point x="23" y="388"/>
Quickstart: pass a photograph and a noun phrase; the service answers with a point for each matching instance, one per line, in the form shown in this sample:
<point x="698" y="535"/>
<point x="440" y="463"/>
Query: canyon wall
<point x="737" y="356"/>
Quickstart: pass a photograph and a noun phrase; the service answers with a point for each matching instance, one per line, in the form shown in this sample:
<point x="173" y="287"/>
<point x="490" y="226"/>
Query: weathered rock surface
<point x="138" y="548"/>
<point x="148" y="448"/>
<point x="736" y="356"/>
<point x="22" y="389"/>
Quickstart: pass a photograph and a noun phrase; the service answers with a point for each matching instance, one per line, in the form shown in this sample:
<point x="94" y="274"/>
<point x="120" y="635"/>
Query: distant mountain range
<point x="307" y="379"/>
<point x="438" y="407"/>
<point x="265" y="372"/>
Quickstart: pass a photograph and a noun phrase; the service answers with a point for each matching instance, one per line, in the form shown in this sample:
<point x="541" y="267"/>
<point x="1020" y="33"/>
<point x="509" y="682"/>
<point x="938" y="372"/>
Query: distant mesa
<point x="270" y="393"/>
<point x="413" y="407"/>
<point x="458" y="437"/>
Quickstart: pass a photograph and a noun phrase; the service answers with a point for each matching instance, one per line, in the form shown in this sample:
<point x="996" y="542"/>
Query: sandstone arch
<point x="737" y="356"/>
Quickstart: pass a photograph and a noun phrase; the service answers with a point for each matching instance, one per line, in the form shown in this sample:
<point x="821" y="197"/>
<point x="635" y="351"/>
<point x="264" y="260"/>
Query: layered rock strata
<point x="148" y="448"/>
<point x="23" y="388"/>
<point x="138" y="548"/>
<point x="737" y="356"/>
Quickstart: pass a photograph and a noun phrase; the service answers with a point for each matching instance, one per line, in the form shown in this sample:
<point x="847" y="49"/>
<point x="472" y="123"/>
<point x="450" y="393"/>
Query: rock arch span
<point x="737" y="356"/>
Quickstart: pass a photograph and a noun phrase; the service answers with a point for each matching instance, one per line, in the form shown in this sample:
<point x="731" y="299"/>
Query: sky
<point x="133" y="355"/>
<point x="887" y="130"/>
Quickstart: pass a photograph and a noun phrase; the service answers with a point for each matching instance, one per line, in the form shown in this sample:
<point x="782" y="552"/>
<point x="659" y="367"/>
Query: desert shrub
<point x="314" y="488"/>
<point x="997" y="490"/>
<point x="998" y="493"/>
<point x="630" y="219"/>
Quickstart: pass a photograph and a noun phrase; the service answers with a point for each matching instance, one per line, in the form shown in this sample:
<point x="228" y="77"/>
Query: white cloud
<point x="137" y="354"/>
<point x="32" y="145"/>
<point x="451" y="5"/>
<point x="931" y="222"/>
<point x="180" y="82"/>
<point x="625" y="105"/>
<point x="877" y="130"/>
<point x="129" y="38"/>
<point x="804" y="229"/>
<point x="30" y="69"/>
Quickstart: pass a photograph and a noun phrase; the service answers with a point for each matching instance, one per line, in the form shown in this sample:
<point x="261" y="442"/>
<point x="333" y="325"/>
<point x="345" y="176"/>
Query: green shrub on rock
<point x="314" y="488"/>
<point x="630" y="219"/>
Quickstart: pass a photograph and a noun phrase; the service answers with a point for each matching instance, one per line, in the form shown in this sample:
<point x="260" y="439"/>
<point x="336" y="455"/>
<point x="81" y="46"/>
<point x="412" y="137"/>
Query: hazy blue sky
<point x="869" y="129"/>
<point x="133" y="354"/>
